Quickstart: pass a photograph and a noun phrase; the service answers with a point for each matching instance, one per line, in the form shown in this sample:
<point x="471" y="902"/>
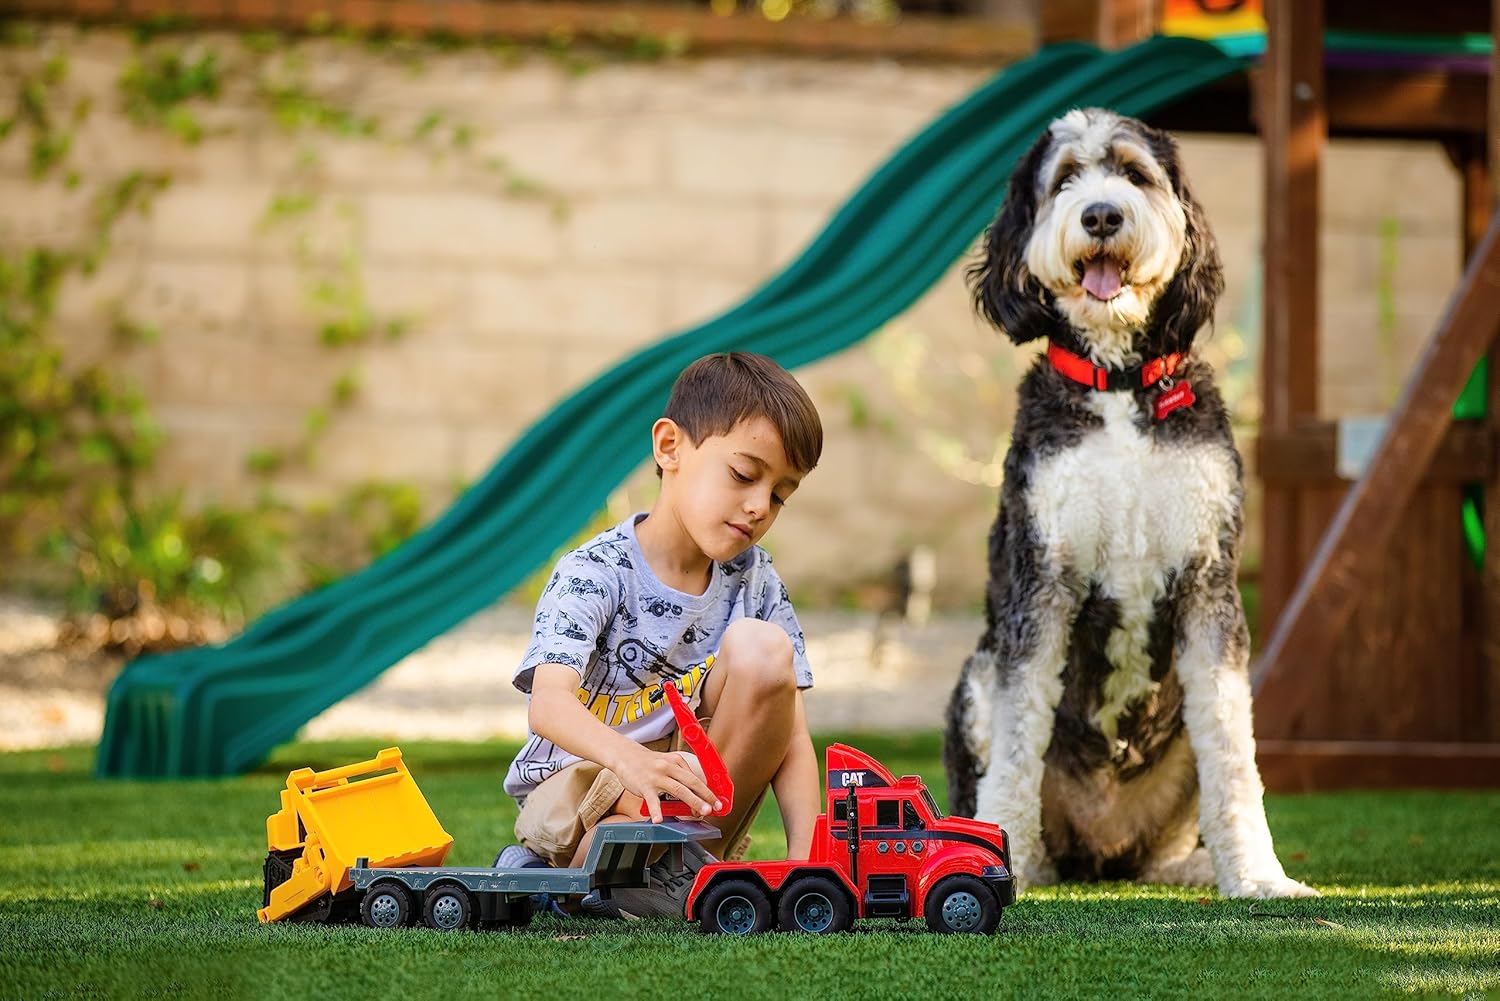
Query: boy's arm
<point x="558" y="716"/>
<point x="798" y="789"/>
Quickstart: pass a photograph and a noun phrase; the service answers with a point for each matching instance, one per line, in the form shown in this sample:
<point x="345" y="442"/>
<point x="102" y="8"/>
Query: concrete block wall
<point x="586" y="216"/>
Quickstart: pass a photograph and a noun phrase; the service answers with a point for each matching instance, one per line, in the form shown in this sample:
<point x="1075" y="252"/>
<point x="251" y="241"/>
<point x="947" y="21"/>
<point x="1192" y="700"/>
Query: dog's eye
<point x="1137" y="177"/>
<point x="1061" y="180"/>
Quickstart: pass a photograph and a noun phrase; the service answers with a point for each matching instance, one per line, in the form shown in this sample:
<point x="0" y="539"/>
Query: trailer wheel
<point x="962" y="905"/>
<point x="448" y="908"/>
<point x="386" y="905"/>
<point x="815" y="904"/>
<point x="521" y="912"/>
<point x="735" y="907"/>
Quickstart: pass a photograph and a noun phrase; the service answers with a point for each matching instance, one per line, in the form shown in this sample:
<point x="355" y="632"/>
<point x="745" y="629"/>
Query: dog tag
<point x="1179" y="396"/>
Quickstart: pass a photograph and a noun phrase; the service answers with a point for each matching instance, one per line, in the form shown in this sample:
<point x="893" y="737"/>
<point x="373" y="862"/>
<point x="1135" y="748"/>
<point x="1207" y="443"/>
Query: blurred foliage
<point x="160" y="87"/>
<point x="38" y="111"/>
<point x="869" y="11"/>
<point x="77" y="441"/>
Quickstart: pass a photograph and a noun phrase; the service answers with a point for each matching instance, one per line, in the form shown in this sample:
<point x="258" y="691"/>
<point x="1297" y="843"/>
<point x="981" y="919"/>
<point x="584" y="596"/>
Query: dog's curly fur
<point x="1104" y="719"/>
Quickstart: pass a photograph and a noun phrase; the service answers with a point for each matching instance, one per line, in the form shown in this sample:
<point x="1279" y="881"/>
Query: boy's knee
<point x="760" y="654"/>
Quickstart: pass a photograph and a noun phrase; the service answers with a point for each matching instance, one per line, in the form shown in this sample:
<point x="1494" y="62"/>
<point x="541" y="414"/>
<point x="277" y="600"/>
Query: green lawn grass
<point x="130" y="889"/>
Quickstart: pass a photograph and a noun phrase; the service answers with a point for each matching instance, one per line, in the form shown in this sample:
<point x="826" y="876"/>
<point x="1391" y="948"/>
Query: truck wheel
<point x="815" y="904"/>
<point x="449" y="908"/>
<point x="735" y="907"/>
<point x="386" y="905"/>
<point x="962" y="904"/>
<point x="521" y="912"/>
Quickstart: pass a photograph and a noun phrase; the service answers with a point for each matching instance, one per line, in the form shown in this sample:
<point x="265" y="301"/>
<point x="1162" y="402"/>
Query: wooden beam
<point x="913" y="36"/>
<point x="1317" y="765"/>
<point x="1307" y="455"/>
<point x="1374" y="103"/>
<point x="1450" y="17"/>
<point x="1359" y="104"/>
<point x="1354" y="544"/>
<point x="1294" y="130"/>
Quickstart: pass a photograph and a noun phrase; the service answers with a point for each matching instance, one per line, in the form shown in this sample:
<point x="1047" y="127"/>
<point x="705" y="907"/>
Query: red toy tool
<point x="714" y="772"/>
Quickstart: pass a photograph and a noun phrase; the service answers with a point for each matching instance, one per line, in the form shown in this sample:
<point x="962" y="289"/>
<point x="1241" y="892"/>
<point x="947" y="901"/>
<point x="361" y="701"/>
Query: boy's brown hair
<point x="717" y="391"/>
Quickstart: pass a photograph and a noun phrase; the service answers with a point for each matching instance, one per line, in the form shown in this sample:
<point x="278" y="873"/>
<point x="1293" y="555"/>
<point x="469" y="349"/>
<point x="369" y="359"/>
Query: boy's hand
<point x="557" y="715"/>
<point x="650" y="774"/>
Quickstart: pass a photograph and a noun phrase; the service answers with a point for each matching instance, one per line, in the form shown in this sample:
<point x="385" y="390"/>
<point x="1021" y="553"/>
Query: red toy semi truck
<point x="882" y="849"/>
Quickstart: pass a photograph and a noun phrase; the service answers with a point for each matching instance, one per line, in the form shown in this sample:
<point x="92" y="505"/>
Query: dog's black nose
<point x="1102" y="219"/>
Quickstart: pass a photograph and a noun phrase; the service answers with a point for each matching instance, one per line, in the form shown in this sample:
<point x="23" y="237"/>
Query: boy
<point x="681" y="594"/>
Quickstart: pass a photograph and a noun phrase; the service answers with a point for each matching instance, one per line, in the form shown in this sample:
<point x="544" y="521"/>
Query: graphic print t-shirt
<point x="604" y="614"/>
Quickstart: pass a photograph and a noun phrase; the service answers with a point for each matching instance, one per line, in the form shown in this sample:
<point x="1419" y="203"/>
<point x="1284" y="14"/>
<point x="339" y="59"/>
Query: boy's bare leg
<point x="751" y="697"/>
<point x="588" y="835"/>
<point x="626" y="809"/>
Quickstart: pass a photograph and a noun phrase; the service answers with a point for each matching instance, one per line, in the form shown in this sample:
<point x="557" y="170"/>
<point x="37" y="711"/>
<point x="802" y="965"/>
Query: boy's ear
<point x="666" y="444"/>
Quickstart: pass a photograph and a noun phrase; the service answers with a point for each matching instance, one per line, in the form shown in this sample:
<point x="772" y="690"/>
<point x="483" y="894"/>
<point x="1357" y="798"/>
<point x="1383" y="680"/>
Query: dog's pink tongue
<point x="1101" y="278"/>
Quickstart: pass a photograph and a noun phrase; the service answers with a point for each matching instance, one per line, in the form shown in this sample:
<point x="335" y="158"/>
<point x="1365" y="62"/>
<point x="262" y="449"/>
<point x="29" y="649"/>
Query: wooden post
<point x="1355" y="544"/>
<point x="1481" y="632"/>
<point x="1125" y="22"/>
<point x="1489" y="576"/>
<point x="1294" y="130"/>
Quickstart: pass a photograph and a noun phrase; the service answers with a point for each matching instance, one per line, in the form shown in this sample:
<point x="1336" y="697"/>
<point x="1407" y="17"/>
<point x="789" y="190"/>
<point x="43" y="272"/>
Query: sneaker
<point x="519" y="857"/>
<point x="665" y="892"/>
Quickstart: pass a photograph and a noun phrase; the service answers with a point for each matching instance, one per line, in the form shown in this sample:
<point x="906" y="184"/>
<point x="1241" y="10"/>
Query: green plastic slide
<point x="219" y="710"/>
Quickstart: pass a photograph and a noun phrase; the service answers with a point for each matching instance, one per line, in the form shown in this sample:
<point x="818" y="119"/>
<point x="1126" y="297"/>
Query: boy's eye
<point x="741" y="477"/>
<point x="778" y="501"/>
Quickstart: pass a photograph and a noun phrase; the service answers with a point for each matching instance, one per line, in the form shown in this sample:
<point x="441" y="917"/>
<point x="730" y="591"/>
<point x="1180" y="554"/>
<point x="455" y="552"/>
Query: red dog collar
<point x="1083" y="371"/>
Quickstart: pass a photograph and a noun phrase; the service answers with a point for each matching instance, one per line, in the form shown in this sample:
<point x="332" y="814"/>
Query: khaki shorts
<point x="568" y="804"/>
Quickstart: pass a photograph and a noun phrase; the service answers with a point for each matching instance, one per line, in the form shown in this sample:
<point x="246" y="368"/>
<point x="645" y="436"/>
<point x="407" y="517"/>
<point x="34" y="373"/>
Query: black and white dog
<point x="1104" y="719"/>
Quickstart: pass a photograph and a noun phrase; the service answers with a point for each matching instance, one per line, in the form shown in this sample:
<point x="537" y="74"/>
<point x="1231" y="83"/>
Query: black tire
<point x="735" y="907"/>
<point x="448" y="907"/>
<point x="521" y="912"/>
<point x="816" y="905"/>
<point x="962" y="905"/>
<point x="277" y="870"/>
<point x="386" y="905"/>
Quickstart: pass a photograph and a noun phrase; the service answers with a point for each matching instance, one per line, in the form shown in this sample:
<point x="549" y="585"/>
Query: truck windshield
<point x="932" y="805"/>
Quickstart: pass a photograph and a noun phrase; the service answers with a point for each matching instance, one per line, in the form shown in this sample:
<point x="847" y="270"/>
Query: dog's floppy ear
<point x="1187" y="303"/>
<point x="1004" y="289"/>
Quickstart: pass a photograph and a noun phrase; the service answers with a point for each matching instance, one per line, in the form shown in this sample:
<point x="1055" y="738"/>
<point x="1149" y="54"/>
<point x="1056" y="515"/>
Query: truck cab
<point x="881" y="848"/>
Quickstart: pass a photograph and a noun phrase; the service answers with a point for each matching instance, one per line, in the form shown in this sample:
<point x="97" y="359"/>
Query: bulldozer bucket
<point x="371" y="808"/>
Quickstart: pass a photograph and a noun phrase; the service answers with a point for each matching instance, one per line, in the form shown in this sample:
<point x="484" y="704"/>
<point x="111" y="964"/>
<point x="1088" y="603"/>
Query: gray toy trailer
<point x="449" y="898"/>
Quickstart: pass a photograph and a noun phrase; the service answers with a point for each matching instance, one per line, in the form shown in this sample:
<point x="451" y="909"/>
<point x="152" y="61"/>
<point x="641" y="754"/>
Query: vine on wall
<point x="141" y="567"/>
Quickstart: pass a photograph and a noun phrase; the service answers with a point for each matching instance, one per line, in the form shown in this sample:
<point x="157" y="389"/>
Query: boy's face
<point x="728" y="489"/>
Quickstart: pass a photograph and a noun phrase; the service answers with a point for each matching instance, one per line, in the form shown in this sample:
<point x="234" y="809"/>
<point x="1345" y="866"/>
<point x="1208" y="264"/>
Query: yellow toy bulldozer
<point x="370" y="809"/>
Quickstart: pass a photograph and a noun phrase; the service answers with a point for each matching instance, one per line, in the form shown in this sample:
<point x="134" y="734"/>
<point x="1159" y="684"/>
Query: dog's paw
<point x="1264" y="889"/>
<point x="1041" y="873"/>
<point x="1196" y="869"/>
